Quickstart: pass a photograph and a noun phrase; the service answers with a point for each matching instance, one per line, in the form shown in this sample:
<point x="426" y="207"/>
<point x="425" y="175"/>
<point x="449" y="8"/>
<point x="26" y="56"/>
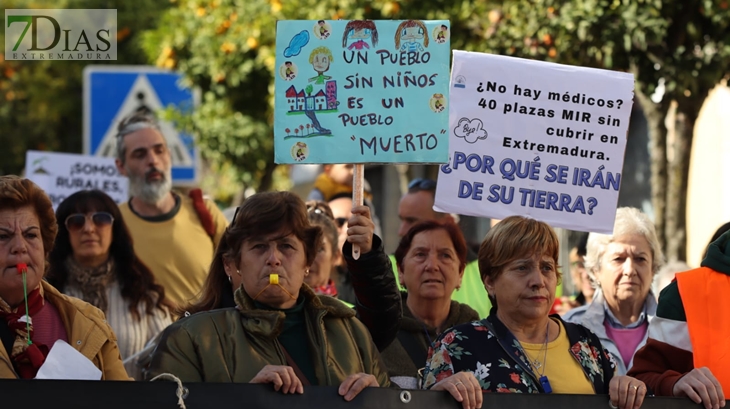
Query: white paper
<point x="535" y="139"/>
<point x="65" y="362"/>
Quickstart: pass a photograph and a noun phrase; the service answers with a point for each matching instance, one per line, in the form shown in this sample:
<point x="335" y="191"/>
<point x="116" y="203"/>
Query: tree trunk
<point x="655" y="115"/>
<point x="687" y="111"/>
<point x="267" y="179"/>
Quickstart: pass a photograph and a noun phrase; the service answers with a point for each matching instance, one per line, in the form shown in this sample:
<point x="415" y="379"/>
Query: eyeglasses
<point x="422" y="184"/>
<point x="77" y="221"/>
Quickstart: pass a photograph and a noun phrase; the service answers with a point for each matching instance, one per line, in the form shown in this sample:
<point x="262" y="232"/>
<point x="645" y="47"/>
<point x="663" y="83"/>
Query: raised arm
<point x="378" y="302"/>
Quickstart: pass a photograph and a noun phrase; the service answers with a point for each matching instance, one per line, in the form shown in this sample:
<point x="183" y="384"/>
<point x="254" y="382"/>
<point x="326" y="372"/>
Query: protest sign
<point x="62" y="174"/>
<point x="536" y="139"/>
<point x="361" y="91"/>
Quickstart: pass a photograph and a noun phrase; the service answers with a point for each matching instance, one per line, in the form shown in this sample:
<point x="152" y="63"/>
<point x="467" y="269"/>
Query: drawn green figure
<point x="320" y="58"/>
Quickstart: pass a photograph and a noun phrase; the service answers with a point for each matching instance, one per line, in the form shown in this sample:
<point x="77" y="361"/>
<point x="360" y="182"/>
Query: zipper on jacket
<point x="280" y="352"/>
<point x="323" y="345"/>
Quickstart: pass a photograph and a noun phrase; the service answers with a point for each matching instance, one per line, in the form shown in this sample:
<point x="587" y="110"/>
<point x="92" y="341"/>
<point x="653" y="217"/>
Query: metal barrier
<point x="26" y="394"/>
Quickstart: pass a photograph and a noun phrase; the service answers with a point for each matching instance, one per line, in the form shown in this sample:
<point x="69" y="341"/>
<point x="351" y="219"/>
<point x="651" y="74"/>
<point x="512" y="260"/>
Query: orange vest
<point x="705" y="295"/>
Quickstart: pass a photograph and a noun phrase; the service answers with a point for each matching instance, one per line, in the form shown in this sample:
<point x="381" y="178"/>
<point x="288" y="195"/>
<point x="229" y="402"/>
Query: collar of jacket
<point x="458" y="314"/>
<point x="595" y="314"/>
<point x="580" y="349"/>
<point x="270" y="323"/>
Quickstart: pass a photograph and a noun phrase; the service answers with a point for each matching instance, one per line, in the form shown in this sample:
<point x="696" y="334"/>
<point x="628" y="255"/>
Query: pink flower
<point x="515" y="377"/>
<point x="448" y="338"/>
<point x="503" y="390"/>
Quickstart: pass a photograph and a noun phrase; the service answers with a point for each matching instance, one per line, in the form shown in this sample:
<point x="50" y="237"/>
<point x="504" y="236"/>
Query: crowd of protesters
<point x="163" y="284"/>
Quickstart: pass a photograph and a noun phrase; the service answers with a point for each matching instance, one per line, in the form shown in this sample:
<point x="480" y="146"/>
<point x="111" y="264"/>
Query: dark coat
<point x="412" y="344"/>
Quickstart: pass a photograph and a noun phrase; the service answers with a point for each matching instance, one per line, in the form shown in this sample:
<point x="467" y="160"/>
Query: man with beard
<point x="174" y="235"/>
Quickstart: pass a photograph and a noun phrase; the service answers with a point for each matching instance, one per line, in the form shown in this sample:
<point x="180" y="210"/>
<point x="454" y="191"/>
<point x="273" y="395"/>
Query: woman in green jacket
<point x="268" y="248"/>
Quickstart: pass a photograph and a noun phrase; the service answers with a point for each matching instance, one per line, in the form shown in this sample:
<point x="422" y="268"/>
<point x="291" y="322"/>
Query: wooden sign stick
<point x="357" y="197"/>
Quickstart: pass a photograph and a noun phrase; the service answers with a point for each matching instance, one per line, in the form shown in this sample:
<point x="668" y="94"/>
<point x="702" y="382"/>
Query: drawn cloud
<point x="471" y="130"/>
<point x="296" y="44"/>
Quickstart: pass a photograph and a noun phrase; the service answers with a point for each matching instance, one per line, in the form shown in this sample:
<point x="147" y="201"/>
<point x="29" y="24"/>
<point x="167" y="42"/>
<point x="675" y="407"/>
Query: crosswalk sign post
<point x="113" y="92"/>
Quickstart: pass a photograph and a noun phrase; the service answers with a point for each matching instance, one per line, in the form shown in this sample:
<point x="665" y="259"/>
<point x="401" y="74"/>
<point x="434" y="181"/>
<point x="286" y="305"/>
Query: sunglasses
<point x="77" y="221"/>
<point x="340" y="221"/>
<point x="422" y="184"/>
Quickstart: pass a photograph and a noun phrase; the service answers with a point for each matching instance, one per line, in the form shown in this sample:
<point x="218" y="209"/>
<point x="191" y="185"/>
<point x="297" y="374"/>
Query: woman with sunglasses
<point x="27" y="230"/>
<point x="93" y="259"/>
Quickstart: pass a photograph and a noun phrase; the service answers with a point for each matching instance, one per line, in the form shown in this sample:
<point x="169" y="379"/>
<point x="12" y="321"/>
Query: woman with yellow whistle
<point x="268" y="249"/>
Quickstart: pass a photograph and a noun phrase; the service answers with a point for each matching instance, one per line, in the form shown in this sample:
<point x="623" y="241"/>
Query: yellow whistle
<point x="273" y="279"/>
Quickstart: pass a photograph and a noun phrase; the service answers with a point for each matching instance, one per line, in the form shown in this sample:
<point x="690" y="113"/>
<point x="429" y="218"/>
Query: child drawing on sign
<point x="438" y="102"/>
<point x="441" y="35"/>
<point x="289" y="71"/>
<point x="411" y="32"/>
<point x="360" y="30"/>
<point x="323" y="32"/>
<point x="320" y="58"/>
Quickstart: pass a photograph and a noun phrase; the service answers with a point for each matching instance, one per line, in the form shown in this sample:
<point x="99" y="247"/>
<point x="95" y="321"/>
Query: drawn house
<point x="291" y="98"/>
<point x="298" y="101"/>
<point x="320" y="101"/>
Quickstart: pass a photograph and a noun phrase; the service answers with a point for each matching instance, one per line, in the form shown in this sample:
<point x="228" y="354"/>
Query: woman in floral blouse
<point x="519" y="348"/>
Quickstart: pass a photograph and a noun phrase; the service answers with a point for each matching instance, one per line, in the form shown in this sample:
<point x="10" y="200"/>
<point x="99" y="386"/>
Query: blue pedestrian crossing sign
<point x="113" y="92"/>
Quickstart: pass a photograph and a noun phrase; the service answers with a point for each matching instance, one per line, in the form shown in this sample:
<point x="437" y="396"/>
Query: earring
<point x="230" y="280"/>
<point x="306" y="272"/>
<point x="238" y="272"/>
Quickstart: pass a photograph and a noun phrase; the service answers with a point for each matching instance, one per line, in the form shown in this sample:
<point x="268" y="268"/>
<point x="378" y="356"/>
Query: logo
<point x="460" y="82"/>
<point x="471" y="130"/>
<point x="299" y="151"/>
<point x="53" y="34"/>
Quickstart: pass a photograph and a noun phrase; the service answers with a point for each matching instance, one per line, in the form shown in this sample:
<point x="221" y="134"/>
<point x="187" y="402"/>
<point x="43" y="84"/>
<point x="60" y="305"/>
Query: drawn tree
<point x="288" y="131"/>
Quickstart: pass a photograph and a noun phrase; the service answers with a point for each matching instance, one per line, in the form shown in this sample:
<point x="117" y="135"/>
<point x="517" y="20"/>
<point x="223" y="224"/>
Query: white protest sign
<point x="62" y="174"/>
<point x="535" y="139"/>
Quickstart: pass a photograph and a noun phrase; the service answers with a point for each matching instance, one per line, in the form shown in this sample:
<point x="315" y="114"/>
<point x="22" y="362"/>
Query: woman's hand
<point x="283" y="378"/>
<point x="701" y="386"/>
<point x="354" y="384"/>
<point x="360" y="229"/>
<point x="464" y="387"/>
<point x="625" y="392"/>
